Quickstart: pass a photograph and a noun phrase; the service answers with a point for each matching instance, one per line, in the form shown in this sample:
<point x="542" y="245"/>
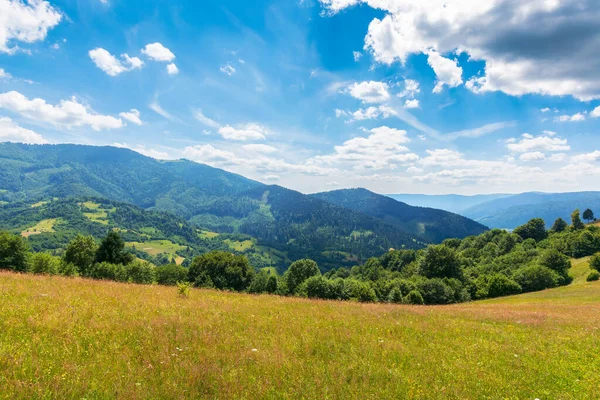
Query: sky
<point x="397" y="96"/>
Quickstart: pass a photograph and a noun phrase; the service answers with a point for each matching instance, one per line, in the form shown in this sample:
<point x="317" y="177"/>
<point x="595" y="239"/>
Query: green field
<point x="43" y="226"/>
<point x="73" y="338"/>
<point x="155" y="247"/>
<point x="96" y="214"/>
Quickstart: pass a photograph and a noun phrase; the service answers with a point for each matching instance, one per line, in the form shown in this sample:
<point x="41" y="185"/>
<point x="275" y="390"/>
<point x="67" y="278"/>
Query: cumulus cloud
<point x="571" y="118"/>
<point x="148" y="152"/>
<point x="532" y="156"/>
<point x="586" y="158"/>
<point x="259" y="148"/>
<point x="4" y="74"/>
<point x="510" y="36"/>
<point x="529" y="143"/>
<point x="384" y="148"/>
<point x="172" y="69"/>
<point x="132" y="116"/>
<point x="414" y="103"/>
<point x="26" y="22"/>
<point x="245" y="132"/>
<point x="595" y="113"/>
<point x="447" y="71"/>
<point x="411" y="88"/>
<point x="111" y="65"/>
<point x="158" y="52"/>
<point x="10" y="131"/>
<point x="370" y="92"/>
<point x="68" y="113"/>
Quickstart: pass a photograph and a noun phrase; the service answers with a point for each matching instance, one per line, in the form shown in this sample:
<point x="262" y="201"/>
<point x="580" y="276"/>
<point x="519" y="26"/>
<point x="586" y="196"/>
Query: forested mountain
<point x="433" y="225"/>
<point x="510" y="212"/>
<point x="449" y="202"/>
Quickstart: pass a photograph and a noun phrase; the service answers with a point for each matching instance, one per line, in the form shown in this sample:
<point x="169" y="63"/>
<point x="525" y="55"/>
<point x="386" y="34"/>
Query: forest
<point x="494" y="264"/>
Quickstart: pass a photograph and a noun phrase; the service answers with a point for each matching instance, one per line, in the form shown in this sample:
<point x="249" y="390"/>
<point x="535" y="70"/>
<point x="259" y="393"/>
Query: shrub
<point x="184" y="289"/>
<point x="112" y="250"/>
<point x="435" y="291"/>
<point x="316" y="287"/>
<point x="44" y="263"/>
<point x="358" y="291"/>
<point x="414" y="297"/>
<point x="272" y="284"/>
<point x="395" y="296"/>
<point x="259" y="282"/>
<point x="108" y="271"/>
<point x="140" y="272"/>
<point x="536" y="277"/>
<point x="170" y="274"/>
<point x="441" y="262"/>
<point x="221" y="270"/>
<point x="595" y="262"/>
<point x="556" y="261"/>
<point x="300" y="271"/>
<point x="68" y="269"/>
<point x="14" y="252"/>
<point x="593" y="276"/>
<point x="501" y="285"/>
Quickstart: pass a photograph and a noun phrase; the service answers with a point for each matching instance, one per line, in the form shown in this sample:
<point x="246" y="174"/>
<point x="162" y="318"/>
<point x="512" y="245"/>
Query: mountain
<point x="510" y="212"/>
<point x="451" y="202"/>
<point x="294" y="224"/>
<point x="433" y="225"/>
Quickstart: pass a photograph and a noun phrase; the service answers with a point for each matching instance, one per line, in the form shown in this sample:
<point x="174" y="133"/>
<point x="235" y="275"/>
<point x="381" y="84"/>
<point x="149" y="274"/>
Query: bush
<point x="556" y="261"/>
<point x="140" y="272"/>
<point x="300" y="271"/>
<point x="358" y="291"/>
<point x="44" y="263"/>
<point x="414" y="297"/>
<point x="259" y="282"/>
<point x="221" y="270"/>
<point x="14" y="252"/>
<point x="593" y="276"/>
<point x="395" y="296"/>
<point x="272" y="284"/>
<point x="68" y="269"/>
<point x="108" y="271"/>
<point x="316" y="287"/>
<point x="536" y="277"/>
<point x="500" y="285"/>
<point x="184" y="289"/>
<point x="441" y="262"/>
<point x="170" y="274"/>
<point x="595" y="262"/>
<point x="435" y="291"/>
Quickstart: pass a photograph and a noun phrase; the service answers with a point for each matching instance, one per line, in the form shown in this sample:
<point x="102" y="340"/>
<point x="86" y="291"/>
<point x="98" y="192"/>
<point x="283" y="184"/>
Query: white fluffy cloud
<point x="259" y="148"/>
<point x="4" y="74"/>
<point x="158" y="52"/>
<point x="10" y="131"/>
<point x="571" y="118"/>
<point x="132" y="116"/>
<point x="227" y="69"/>
<point x="447" y="71"/>
<point x="111" y="65"/>
<point x="25" y="22"/>
<point x="595" y="113"/>
<point x="532" y="156"/>
<point x="148" y="152"/>
<point x="414" y="103"/>
<point x="245" y="132"/>
<point x="586" y="158"/>
<point x="528" y="144"/>
<point x="509" y="36"/>
<point x="411" y="88"/>
<point x="68" y="113"/>
<point x="370" y="92"/>
<point x="172" y="69"/>
<point x="384" y="148"/>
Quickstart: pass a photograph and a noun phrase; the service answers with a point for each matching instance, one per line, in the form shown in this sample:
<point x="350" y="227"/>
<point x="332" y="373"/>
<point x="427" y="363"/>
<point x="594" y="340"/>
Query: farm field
<point x="75" y="338"/>
<point x="155" y="247"/>
<point x="44" y="226"/>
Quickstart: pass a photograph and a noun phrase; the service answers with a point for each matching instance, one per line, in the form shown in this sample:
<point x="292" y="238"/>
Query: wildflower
<point x="254" y="350"/>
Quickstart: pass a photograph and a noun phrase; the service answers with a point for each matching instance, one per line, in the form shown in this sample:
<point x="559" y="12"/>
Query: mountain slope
<point x="516" y="210"/>
<point x="449" y="202"/>
<point x="433" y="225"/>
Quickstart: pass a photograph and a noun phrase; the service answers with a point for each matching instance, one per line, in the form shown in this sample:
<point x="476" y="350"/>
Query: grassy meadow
<point x="74" y="338"/>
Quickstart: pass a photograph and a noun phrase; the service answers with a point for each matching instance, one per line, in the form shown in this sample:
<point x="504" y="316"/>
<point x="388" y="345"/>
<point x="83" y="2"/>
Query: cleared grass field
<point x="72" y="338"/>
<point x="44" y="226"/>
<point x="155" y="247"/>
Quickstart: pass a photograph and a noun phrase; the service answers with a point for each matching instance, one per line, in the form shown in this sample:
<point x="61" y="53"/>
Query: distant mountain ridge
<point x="449" y="202"/>
<point x="434" y="225"/>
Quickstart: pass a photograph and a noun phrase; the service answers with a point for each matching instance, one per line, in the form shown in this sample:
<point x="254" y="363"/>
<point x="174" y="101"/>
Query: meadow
<point x="74" y="338"/>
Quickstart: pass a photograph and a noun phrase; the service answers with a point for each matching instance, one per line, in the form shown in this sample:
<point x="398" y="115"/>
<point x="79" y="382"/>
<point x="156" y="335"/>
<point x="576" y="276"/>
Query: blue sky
<point x="392" y="95"/>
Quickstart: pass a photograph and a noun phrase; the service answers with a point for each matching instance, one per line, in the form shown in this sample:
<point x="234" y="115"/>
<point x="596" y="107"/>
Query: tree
<point x="81" y="253"/>
<point x="171" y="274"/>
<point x="576" y="223"/>
<point x="441" y="262"/>
<point x="112" y="250"/>
<point x="501" y="285"/>
<point x="300" y="271"/>
<point x="140" y="272"/>
<point x="560" y="225"/>
<point x="221" y="270"/>
<point x="534" y="229"/>
<point x="14" y="252"/>
<point x="45" y="263"/>
<point x="556" y="261"/>
<point x="588" y="215"/>
<point x="595" y="262"/>
<point x="536" y="277"/>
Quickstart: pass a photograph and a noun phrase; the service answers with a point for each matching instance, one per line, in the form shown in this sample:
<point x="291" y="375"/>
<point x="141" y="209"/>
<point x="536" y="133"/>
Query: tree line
<point x="493" y="264"/>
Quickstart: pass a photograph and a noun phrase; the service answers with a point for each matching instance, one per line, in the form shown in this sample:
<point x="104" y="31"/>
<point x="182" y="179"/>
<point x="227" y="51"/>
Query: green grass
<point x="39" y="204"/>
<point x="208" y="235"/>
<point x="72" y="338"/>
<point x="240" y="246"/>
<point x="271" y="271"/>
<point x="97" y="214"/>
<point x="155" y="247"/>
<point x="44" y="226"/>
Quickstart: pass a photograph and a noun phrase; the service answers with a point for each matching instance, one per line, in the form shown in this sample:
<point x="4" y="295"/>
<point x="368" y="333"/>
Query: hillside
<point x="449" y="202"/>
<point x="433" y="225"/>
<point x="74" y="338"/>
<point x="510" y="212"/>
<point x="155" y="236"/>
<point x="294" y="224"/>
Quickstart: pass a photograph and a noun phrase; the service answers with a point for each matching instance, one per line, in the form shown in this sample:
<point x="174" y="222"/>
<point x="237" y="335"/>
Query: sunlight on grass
<point x="43" y="226"/>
